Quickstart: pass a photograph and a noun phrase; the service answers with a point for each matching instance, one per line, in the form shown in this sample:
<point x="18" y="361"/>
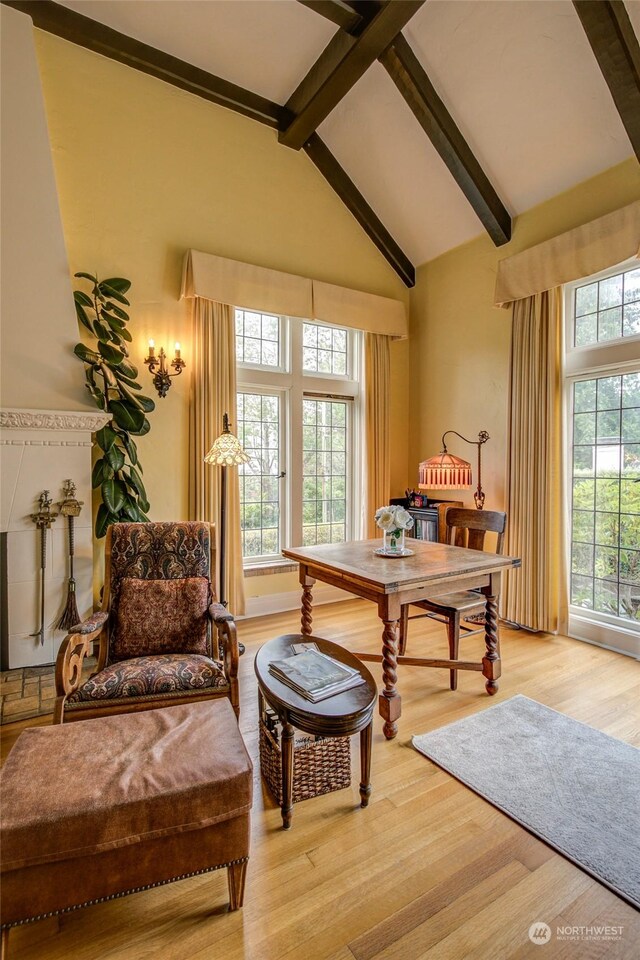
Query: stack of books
<point x="314" y="675"/>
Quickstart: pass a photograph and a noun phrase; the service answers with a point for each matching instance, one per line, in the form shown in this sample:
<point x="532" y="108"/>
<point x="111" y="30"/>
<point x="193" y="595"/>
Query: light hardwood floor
<point x="427" y="870"/>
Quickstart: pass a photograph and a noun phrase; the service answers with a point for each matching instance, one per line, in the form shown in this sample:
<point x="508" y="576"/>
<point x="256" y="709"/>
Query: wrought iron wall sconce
<point x="448" y="472"/>
<point x="158" y="367"/>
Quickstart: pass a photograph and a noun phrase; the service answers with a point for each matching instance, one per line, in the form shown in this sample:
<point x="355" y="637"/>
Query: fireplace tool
<point x="43" y="520"/>
<point x="70" y="508"/>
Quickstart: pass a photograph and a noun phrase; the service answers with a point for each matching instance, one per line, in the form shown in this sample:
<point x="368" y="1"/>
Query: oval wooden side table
<point x="342" y="715"/>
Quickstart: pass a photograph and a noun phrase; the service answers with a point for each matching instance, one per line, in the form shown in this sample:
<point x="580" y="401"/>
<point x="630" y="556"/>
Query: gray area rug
<point x="572" y="786"/>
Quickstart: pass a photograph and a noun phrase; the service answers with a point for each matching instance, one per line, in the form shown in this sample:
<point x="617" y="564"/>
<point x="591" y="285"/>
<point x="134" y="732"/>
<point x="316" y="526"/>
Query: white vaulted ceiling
<point x="518" y="77"/>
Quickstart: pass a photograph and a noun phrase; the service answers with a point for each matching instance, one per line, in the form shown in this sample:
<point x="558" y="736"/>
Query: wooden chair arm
<point x="74" y="648"/>
<point x="227" y="632"/>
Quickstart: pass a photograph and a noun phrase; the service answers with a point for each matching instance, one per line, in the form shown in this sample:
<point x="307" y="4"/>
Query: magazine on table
<point x="314" y="675"/>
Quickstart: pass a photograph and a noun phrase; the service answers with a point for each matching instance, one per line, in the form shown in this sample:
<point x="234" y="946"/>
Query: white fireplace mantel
<point x="56" y="420"/>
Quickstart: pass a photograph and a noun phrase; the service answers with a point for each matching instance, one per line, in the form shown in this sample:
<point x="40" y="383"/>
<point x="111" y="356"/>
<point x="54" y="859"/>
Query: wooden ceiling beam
<point x="337" y="11"/>
<point x="405" y="70"/>
<point x="615" y="46"/>
<point x="66" y="23"/>
<point x="341" y="64"/>
<point x="336" y="177"/>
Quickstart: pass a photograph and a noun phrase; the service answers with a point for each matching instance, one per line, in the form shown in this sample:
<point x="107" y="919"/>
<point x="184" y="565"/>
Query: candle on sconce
<point x="152" y="348"/>
<point x="177" y="351"/>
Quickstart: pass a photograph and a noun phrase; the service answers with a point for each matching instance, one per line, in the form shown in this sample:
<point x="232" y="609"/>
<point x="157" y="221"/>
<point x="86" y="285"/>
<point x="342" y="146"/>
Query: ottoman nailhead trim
<point x="123" y="893"/>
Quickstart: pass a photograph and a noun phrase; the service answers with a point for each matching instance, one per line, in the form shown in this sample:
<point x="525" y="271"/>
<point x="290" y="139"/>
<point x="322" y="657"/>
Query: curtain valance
<point x="578" y="253"/>
<point x="273" y="291"/>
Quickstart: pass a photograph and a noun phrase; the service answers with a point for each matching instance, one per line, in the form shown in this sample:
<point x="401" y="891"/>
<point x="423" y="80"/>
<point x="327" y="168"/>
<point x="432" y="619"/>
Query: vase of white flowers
<point x="394" y="521"/>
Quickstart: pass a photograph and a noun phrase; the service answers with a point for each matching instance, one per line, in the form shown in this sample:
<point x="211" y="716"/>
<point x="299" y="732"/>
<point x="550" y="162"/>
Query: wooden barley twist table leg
<point x="390" y="698"/>
<point x="491" y="662"/>
<point x="307" y="606"/>
<point x="287" y="773"/>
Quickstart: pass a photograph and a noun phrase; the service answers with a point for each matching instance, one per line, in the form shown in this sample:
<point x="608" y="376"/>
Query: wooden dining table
<point x="433" y="569"/>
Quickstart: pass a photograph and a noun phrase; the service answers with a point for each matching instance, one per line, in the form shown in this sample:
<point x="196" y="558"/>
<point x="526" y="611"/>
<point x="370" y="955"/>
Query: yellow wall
<point x="144" y="172"/>
<point x="459" y="365"/>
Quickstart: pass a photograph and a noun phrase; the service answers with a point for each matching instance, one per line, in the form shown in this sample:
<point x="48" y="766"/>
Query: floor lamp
<point x="446" y="472"/>
<point x="226" y="452"/>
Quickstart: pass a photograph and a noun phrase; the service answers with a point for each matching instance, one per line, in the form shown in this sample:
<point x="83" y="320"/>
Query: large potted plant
<point x="111" y="381"/>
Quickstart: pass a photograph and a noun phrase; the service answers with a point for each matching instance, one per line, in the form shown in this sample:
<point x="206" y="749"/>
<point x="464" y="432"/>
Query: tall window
<point x="298" y="419"/>
<point x="603" y="407"/>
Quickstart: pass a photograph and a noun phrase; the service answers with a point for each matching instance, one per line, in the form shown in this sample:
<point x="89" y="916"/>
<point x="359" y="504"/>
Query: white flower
<point x="404" y="520"/>
<point x="393" y="518"/>
<point x="385" y="519"/>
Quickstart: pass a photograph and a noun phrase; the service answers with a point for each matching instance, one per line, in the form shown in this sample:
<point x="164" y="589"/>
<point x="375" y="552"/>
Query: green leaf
<point x="130" y="509"/>
<point x="127" y="396"/>
<point x="146" y="403"/>
<point x="117" y="283"/>
<point x="144" y="429"/>
<point x="83" y="318"/>
<point x="144" y="505"/>
<point x="104" y="520"/>
<point x="107" y="372"/>
<point x="86" y="276"/>
<point x="129" y="382"/>
<point x="131" y="449"/>
<point x="115" y="338"/>
<point x="115" y="458"/>
<point x="102" y="332"/>
<point x="113" y="495"/>
<point x="136" y="479"/>
<point x="105" y="438"/>
<point x="118" y="311"/>
<point x="113" y="322"/>
<point x="81" y="297"/>
<point x="127" y="416"/>
<point x="111" y="354"/>
<point x="85" y="354"/>
<point x="128" y="370"/>
<point x="101" y="471"/>
<point x="116" y="325"/>
<point x="111" y="293"/>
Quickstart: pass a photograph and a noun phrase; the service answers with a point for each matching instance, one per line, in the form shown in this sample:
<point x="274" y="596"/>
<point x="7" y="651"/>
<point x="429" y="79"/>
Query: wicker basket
<point x="320" y="765"/>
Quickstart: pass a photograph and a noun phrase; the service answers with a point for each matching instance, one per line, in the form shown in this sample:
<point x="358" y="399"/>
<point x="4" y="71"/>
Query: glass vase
<point x="393" y="542"/>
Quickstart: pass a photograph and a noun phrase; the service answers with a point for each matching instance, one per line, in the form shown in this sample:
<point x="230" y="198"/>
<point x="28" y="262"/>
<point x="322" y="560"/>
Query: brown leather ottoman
<point x="114" y="805"/>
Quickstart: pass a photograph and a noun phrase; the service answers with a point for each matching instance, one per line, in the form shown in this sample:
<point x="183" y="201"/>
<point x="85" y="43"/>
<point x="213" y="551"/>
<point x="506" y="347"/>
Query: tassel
<point x="70" y="615"/>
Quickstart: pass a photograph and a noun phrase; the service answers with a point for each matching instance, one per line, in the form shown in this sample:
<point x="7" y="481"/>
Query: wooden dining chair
<point x="464" y="528"/>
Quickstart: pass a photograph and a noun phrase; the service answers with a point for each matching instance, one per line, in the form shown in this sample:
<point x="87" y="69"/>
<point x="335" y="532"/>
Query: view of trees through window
<point x="259" y="434"/>
<point x="257" y="338"/>
<point x="298" y="416"/>
<point x="324" y="485"/>
<point x="605" y="525"/>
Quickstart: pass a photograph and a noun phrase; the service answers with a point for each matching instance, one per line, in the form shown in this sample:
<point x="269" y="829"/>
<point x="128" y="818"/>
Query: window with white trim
<point x="299" y="420"/>
<point x="602" y="405"/>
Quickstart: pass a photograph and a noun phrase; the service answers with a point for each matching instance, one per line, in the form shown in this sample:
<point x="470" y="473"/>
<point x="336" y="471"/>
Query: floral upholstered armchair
<point x="162" y="640"/>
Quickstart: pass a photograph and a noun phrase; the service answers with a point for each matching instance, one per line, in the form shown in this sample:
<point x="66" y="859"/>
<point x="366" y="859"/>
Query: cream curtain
<point x="377" y="367"/>
<point x="272" y="291"/>
<point x="580" y="252"/>
<point x="535" y="595"/>
<point x="213" y="393"/>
